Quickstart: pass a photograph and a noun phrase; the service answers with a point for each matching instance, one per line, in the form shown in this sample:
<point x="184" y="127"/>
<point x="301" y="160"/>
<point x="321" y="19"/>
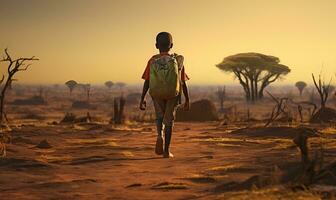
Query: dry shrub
<point x="83" y="105"/>
<point x="35" y="100"/>
<point x="325" y="114"/>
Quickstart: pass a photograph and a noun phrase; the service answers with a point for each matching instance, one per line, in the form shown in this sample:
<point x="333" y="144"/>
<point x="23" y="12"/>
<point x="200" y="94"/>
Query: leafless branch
<point x="13" y="67"/>
<point x="323" y="89"/>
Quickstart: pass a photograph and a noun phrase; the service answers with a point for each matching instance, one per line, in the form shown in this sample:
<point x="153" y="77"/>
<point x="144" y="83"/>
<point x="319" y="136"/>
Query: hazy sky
<point x="94" y="40"/>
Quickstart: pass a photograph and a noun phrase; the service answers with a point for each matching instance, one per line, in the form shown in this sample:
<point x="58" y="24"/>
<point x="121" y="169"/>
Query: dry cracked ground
<point x="212" y="161"/>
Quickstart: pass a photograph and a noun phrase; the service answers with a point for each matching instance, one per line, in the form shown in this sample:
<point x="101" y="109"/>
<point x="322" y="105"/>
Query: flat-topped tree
<point x="300" y="86"/>
<point x="120" y="85"/>
<point x="255" y="71"/>
<point x="86" y="88"/>
<point x="13" y="66"/>
<point x="109" y="84"/>
<point x="71" y="85"/>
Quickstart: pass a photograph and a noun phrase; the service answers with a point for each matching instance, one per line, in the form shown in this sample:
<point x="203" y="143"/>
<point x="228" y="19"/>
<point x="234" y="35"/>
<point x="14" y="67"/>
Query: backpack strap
<point x="179" y="59"/>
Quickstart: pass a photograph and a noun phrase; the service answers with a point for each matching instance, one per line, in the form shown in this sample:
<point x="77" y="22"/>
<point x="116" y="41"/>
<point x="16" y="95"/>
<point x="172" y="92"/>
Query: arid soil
<point x="100" y="161"/>
<point x="235" y="157"/>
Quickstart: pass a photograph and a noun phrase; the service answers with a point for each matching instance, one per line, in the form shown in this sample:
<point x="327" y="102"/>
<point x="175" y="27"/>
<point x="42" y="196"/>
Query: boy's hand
<point x="186" y="106"/>
<point x="142" y="105"/>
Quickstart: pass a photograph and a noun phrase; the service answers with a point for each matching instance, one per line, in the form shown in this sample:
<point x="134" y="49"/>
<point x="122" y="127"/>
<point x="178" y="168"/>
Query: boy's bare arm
<point x="144" y="92"/>
<point x="186" y="95"/>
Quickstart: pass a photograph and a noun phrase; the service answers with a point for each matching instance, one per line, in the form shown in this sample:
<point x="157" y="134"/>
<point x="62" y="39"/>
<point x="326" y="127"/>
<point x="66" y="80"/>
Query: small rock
<point x="44" y="144"/>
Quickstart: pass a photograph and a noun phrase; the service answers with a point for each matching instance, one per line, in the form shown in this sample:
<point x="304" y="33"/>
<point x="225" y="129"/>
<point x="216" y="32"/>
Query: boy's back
<point x="164" y="77"/>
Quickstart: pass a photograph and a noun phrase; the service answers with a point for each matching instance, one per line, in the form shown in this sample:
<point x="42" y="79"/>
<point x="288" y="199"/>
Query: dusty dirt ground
<point x="99" y="161"/>
<point x="226" y="159"/>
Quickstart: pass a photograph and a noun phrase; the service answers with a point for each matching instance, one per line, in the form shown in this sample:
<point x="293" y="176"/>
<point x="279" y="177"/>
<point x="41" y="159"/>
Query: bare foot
<point x="168" y="155"/>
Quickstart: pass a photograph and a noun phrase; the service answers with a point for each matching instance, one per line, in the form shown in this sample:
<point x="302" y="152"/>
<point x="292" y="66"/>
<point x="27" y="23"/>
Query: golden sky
<point x="97" y="40"/>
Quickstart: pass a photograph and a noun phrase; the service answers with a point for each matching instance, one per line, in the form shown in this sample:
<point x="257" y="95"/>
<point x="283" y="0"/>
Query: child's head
<point x="164" y="41"/>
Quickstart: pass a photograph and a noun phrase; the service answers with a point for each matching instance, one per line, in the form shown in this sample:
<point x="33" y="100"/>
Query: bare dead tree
<point x="278" y="109"/>
<point x="323" y="89"/>
<point x="304" y="104"/>
<point x="40" y="91"/>
<point x="301" y="140"/>
<point x="118" y="117"/>
<point x="10" y="86"/>
<point x="87" y="89"/>
<point x="221" y="94"/>
<point x="285" y="105"/>
<point x="14" y="66"/>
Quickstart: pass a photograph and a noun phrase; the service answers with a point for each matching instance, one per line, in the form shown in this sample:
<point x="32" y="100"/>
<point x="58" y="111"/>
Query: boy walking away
<point x="165" y="78"/>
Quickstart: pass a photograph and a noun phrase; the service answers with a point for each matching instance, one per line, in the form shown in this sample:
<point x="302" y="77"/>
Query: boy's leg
<point x="168" y="133"/>
<point x="159" y="139"/>
<point x="159" y="107"/>
<point x="159" y="126"/>
<point x="168" y="121"/>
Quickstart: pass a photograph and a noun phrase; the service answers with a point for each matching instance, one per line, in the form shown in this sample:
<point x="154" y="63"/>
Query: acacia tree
<point x="254" y="71"/>
<point x="109" y="84"/>
<point x="86" y="89"/>
<point x="71" y="85"/>
<point x="14" y="66"/>
<point x="300" y="86"/>
<point x="120" y="85"/>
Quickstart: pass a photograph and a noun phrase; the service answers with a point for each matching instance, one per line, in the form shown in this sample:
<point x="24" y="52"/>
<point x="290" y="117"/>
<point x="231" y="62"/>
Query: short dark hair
<point x="164" y="41"/>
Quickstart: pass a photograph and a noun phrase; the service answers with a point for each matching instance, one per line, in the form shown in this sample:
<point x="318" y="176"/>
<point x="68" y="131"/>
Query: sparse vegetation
<point x="109" y="84"/>
<point x="324" y="114"/>
<point x="119" y="107"/>
<point x="323" y="90"/>
<point x="121" y="85"/>
<point x="221" y="94"/>
<point x="229" y="156"/>
<point x="301" y="85"/>
<point x="87" y="89"/>
<point x="71" y="85"/>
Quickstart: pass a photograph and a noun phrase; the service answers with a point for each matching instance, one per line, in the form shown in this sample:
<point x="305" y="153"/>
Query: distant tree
<point x="221" y="94"/>
<point x="109" y="84"/>
<point x="56" y="86"/>
<point x="254" y="71"/>
<point x="300" y="86"/>
<point x="119" y="104"/>
<point x="14" y="66"/>
<point x="120" y="85"/>
<point x="86" y="88"/>
<point x="40" y="91"/>
<point x="71" y="85"/>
